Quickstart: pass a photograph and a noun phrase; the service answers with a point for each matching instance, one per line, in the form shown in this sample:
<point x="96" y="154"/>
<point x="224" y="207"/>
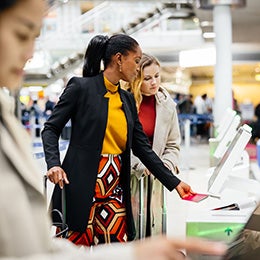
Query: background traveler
<point x="36" y="114"/>
<point x="203" y="106"/>
<point x="256" y="125"/>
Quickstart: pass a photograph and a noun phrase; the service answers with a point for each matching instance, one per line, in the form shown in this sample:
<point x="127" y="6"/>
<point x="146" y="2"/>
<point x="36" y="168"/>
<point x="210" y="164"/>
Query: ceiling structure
<point x="246" y="44"/>
<point x="246" y="41"/>
<point x="245" y="21"/>
<point x="245" y="37"/>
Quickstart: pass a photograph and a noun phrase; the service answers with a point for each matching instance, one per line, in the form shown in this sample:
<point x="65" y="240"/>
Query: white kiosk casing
<point x="225" y="130"/>
<point x="216" y="225"/>
<point x="202" y="220"/>
<point x="223" y="169"/>
<point x="224" y="124"/>
<point x="242" y="166"/>
<point x="225" y="183"/>
<point x="227" y="138"/>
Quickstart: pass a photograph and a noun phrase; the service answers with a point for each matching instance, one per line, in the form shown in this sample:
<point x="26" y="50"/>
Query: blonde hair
<point x="135" y="86"/>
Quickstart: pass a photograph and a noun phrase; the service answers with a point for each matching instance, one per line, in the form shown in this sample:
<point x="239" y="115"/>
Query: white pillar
<point x="223" y="42"/>
<point x="187" y="133"/>
<point x="223" y="68"/>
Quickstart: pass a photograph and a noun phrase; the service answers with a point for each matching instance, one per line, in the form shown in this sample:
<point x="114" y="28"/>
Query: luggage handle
<point x="62" y="225"/>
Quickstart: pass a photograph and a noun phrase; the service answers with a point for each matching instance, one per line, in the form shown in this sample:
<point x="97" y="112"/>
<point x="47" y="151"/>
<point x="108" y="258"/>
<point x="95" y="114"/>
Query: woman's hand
<point x="57" y="176"/>
<point x="184" y="190"/>
<point x="146" y="172"/>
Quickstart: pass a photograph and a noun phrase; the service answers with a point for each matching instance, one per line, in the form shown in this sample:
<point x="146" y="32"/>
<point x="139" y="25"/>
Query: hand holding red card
<point x="197" y="197"/>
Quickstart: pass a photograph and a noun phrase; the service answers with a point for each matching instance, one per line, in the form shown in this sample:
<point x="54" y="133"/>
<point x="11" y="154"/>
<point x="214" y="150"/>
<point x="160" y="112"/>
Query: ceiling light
<point x="257" y="69"/>
<point x="209" y="35"/>
<point x="198" y="57"/>
<point x="257" y="77"/>
<point x="206" y="24"/>
<point x="35" y="88"/>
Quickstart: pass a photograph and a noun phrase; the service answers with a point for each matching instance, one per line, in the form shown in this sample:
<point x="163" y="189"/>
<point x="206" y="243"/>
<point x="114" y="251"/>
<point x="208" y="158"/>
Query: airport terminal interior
<point x="207" y="48"/>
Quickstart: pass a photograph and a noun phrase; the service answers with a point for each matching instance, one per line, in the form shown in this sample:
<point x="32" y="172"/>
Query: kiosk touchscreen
<point x="224" y="167"/>
<point x="223" y="131"/>
<point x="224" y="124"/>
<point x="227" y="138"/>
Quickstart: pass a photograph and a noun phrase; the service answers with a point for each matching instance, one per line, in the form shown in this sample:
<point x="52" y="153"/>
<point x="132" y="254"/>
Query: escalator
<point x="84" y="26"/>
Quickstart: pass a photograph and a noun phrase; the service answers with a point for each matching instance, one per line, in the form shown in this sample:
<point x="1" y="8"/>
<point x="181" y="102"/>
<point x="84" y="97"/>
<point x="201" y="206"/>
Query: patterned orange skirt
<point x="107" y="219"/>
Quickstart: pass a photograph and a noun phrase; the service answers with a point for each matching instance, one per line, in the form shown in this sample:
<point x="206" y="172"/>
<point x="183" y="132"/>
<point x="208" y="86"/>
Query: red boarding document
<point x="196" y="197"/>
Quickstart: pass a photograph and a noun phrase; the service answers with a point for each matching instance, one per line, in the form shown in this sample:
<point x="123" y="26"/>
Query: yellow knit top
<point x="116" y="130"/>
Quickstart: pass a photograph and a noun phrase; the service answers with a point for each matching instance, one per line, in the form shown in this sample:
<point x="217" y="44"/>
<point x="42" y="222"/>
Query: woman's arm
<point x="61" y="114"/>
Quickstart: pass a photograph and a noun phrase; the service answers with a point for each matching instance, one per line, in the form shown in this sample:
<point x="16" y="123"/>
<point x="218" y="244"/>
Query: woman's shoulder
<point x="83" y="79"/>
<point x="86" y="82"/>
<point x="164" y="97"/>
<point x="75" y="81"/>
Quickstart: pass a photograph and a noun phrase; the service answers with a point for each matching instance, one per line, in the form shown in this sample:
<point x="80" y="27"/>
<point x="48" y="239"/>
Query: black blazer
<point x="84" y="103"/>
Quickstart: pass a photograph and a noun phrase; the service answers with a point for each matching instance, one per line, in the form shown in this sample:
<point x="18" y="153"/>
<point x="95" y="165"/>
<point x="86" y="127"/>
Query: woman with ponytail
<point x="105" y="127"/>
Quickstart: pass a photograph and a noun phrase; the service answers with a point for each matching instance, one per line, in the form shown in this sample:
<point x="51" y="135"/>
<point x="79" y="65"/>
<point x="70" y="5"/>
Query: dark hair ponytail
<point x="94" y="54"/>
<point x="103" y="48"/>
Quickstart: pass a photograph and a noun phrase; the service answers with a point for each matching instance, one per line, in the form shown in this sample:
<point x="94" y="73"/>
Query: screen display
<point x="224" y="158"/>
<point x="228" y="160"/>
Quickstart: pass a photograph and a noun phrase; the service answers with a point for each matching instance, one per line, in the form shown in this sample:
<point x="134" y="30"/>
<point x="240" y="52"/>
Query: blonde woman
<point x="158" y="116"/>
